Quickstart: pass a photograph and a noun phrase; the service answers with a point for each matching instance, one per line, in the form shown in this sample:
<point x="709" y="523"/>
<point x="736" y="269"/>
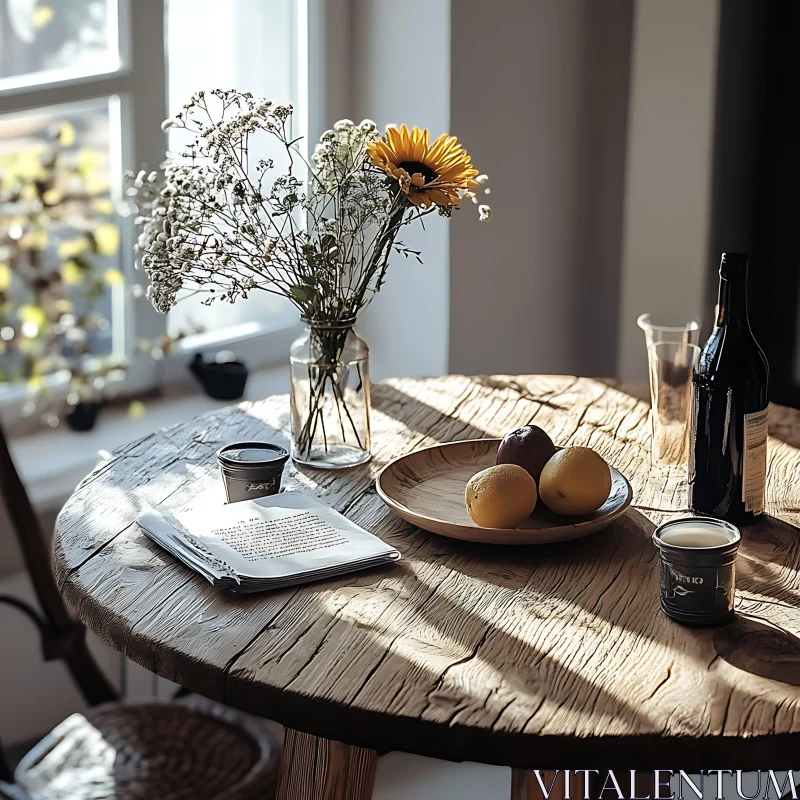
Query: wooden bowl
<point x="426" y="488"/>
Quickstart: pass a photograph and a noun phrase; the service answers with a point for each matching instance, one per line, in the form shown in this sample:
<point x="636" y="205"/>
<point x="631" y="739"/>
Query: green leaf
<point x="302" y="293"/>
<point x="327" y="242"/>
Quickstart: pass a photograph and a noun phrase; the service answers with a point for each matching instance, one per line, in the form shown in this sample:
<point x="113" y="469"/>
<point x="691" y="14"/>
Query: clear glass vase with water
<point x="330" y="396"/>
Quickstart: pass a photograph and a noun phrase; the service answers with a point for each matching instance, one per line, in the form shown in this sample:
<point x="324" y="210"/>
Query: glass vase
<point x="330" y="396"/>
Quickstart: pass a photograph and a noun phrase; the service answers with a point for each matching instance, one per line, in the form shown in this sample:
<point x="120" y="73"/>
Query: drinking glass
<point x="672" y="353"/>
<point x="655" y="332"/>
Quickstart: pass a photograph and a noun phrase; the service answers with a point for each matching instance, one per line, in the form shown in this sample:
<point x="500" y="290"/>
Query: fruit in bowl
<point x="570" y="481"/>
<point x="529" y="447"/>
<point x="502" y="496"/>
<point x="576" y="480"/>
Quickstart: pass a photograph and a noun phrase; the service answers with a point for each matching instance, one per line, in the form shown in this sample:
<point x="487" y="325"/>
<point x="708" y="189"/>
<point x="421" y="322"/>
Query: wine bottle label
<point x="754" y="465"/>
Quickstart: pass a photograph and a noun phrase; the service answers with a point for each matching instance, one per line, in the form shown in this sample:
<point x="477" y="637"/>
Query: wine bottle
<point x="728" y="463"/>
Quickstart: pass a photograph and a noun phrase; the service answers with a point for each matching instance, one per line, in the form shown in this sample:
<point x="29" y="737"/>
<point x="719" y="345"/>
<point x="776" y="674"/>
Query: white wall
<point x="669" y="170"/>
<point x="401" y="73"/>
<point x="539" y="97"/>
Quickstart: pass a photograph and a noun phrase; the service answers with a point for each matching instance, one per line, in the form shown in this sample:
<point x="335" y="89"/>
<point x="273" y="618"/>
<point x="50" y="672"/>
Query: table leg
<point x="313" y="768"/>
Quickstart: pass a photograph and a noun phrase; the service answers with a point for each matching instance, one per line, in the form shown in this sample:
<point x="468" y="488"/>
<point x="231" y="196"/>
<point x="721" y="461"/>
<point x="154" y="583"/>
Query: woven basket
<point x="152" y="750"/>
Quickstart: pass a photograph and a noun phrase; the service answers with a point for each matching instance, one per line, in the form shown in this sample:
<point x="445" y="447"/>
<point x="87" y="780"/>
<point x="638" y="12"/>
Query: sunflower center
<point x="414" y="167"/>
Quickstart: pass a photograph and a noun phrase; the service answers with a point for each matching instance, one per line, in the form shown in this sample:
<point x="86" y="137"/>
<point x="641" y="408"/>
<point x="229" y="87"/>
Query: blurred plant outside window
<point x="59" y="249"/>
<point x="73" y="324"/>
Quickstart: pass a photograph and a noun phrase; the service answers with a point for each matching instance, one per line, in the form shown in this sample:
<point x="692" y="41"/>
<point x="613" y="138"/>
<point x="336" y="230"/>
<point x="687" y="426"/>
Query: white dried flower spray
<point x="219" y="223"/>
<point x="320" y="234"/>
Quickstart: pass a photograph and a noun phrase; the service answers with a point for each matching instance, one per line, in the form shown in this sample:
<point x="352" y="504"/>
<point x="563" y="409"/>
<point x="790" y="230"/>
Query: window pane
<point x="252" y="44"/>
<point x="59" y="240"/>
<point x="38" y="37"/>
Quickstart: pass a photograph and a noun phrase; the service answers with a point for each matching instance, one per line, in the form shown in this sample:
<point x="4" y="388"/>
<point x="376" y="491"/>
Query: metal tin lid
<point x="731" y="533"/>
<point x="720" y="554"/>
<point x="250" y="458"/>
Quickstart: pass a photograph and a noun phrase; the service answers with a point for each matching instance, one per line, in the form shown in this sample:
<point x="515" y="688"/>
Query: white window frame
<point x="140" y="84"/>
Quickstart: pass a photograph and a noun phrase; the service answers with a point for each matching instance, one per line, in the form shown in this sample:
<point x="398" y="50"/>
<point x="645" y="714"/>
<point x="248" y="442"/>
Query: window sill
<point x="52" y="462"/>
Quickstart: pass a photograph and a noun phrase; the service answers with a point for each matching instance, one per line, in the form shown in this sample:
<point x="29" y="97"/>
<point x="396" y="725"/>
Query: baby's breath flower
<point x="209" y="223"/>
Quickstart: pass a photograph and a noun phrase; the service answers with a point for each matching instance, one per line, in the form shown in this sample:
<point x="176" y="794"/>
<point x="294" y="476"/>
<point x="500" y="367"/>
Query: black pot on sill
<point x="83" y="416"/>
<point x="225" y="381"/>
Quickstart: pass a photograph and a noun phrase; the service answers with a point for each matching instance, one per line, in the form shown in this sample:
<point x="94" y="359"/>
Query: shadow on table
<point x="768" y="549"/>
<point x="627" y="598"/>
<point x="421" y="417"/>
<point x="760" y="648"/>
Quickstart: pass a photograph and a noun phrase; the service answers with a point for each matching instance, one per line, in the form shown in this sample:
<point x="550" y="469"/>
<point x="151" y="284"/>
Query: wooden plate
<point x="426" y="488"/>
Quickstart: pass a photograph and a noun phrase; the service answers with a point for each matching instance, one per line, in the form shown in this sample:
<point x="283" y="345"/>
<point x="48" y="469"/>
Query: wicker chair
<point x="118" y="750"/>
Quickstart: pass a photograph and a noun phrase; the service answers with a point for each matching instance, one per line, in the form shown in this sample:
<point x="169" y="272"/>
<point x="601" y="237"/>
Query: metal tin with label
<point x="698" y="569"/>
<point x="251" y="469"/>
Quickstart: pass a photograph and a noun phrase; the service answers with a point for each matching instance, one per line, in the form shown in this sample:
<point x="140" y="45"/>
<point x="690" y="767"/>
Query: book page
<point x="282" y="535"/>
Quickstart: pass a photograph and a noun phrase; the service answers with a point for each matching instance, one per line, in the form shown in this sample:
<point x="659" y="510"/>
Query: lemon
<point x="501" y="496"/>
<point x="576" y="480"/>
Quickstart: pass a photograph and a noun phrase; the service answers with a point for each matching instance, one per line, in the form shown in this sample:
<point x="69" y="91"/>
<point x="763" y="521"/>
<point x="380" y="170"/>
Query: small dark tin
<point x="698" y="583"/>
<point x="251" y="469"/>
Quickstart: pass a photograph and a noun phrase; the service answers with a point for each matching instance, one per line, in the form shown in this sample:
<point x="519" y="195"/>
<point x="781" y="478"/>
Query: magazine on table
<point x="257" y="545"/>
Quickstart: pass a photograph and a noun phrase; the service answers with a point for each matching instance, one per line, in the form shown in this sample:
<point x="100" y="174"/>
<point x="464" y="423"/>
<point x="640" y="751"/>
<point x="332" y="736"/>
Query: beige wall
<point x="540" y="96"/>
<point x="666" y="255"/>
<point x="401" y="73"/>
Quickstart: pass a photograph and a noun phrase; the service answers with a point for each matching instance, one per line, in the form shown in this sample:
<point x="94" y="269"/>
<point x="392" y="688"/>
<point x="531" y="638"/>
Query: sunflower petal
<point x="439" y="197"/>
<point x="395" y="144"/>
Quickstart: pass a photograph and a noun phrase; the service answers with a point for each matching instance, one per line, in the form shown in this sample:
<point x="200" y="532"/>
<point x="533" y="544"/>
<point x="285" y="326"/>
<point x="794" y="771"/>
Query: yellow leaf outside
<point x="52" y="196"/>
<point x="103" y="206"/>
<point x="5" y="277"/>
<point x="107" y="238"/>
<point x="113" y="277"/>
<point x="89" y="160"/>
<point x="27" y="166"/>
<point x="73" y="247"/>
<point x="33" y="314"/>
<point x="136" y="409"/>
<point x="96" y="184"/>
<point x="42" y="16"/>
<point x="71" y="273"/>
<point x="66" y="135"/>
<point x="35" y="383"/>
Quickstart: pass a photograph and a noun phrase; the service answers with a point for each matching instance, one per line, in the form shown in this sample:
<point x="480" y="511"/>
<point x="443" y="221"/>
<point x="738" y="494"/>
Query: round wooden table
<point x="554" y="656"/>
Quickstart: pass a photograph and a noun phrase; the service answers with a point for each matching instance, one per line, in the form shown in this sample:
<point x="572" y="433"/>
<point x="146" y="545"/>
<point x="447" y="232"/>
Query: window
<point x="41" y="43"/>
<point x="252" y="47"/>
<point x="107" y="72"/>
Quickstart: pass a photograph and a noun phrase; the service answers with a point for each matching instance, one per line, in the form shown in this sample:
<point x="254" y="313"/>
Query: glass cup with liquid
<point x="698" y="569"/>
<point x="672" y="354"/>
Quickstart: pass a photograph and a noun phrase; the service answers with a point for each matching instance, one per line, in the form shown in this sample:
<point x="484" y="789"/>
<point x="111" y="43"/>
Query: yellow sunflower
<point x="436" y="173"/>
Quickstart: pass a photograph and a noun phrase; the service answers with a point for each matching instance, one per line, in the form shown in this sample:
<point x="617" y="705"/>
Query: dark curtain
<point x="755" y="200"/>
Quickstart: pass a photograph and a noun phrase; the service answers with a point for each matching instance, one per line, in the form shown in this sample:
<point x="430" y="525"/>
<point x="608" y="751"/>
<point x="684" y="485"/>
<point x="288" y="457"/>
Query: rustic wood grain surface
<point x="530" y="657"/>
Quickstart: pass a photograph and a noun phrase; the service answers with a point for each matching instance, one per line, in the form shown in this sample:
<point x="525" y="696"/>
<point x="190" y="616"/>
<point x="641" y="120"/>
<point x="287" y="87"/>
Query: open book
<point x="257" y="545"/>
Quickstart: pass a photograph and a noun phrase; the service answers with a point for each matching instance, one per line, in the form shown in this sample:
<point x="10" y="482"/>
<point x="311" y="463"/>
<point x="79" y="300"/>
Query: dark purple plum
<point x="528" y="447"/>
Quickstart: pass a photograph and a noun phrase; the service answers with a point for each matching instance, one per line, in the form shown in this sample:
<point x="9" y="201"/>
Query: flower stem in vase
<point x="330" y="396"/>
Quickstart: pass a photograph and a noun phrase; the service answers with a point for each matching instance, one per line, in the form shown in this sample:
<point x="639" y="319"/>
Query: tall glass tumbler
<point x="672" y="353"/>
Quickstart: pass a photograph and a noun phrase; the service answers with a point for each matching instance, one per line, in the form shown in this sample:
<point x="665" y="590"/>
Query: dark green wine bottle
<point x="728" y="464"/>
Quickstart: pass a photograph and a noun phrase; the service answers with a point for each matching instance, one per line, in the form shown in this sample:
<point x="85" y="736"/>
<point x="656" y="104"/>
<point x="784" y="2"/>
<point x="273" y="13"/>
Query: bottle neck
<point x="732" y="308"/>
